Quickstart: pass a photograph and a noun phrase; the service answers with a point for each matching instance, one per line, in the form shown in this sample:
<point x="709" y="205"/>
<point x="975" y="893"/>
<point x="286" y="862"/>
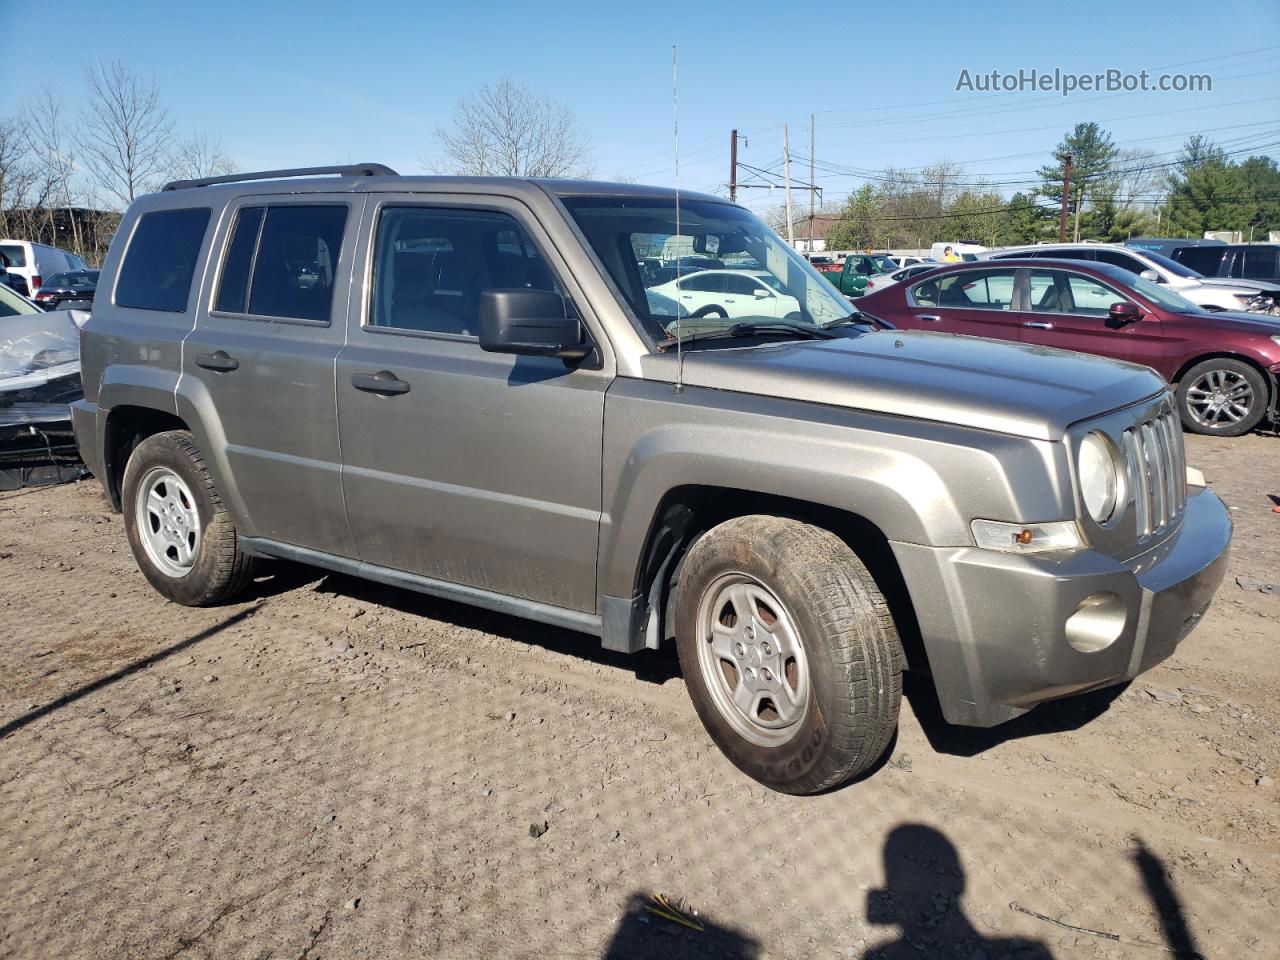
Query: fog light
<point x="1097" y="622"/>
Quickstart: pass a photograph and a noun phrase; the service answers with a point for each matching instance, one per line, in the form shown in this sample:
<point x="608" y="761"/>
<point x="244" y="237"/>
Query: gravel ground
<point x="334" y="769"/>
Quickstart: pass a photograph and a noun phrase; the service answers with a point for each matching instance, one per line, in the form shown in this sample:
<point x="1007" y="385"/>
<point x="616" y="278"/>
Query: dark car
<point x="72" y="289"/>
<point x="1225" y="365"/>
<point x="1244" y="261"/>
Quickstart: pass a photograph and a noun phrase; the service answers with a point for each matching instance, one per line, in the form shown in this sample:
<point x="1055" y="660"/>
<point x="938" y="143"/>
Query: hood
<point x="1237" y="285"/>
<point x="1013" y="388"/>
<point x="1237" y="321"/>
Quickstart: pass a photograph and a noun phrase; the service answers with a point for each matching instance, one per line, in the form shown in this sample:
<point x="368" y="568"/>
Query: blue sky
<point x="286" y="84"/>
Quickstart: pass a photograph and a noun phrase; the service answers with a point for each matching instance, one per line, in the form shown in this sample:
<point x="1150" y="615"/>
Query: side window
<point x="430" y="266"/>
<point x="161" y="260"/>
<point x="233" y="286"/>
<point x="704" y="283"/>
<point x="1262" y="264"/>
<point x="1067" y="254"/>
<point x="1122" y="260"/>
<point x="1088" y="297"/>
<point x="970" y="289"/>
<point x="1205" y="259"/>
<point x="743" y="286"/>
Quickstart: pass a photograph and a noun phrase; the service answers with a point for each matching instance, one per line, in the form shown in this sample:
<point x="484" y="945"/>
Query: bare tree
<point x="504" y="129"/>
<point x="125" y="131"/>
<point x="200" y="155"/>
<point x="55" y="162"/>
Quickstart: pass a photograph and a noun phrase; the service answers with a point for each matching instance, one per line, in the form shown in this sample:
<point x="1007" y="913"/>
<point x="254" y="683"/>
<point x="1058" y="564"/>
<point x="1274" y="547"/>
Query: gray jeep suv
<point x="485" y="390"/>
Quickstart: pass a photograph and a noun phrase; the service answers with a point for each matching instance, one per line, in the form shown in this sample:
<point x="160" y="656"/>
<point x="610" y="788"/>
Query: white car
<point x="1211" y="293"/>
<point x="30" y="264"/>
<point x="908" y="271"/>
<point x="735" y="294"/>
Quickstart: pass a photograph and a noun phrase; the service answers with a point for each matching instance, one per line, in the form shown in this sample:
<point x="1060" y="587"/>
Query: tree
<point x="504" y="129"/>
<point x="1023" y="222"/>
<point x="1208" y="192"/>
<point x="199" y="155"/>
<point x="976" y="216"/>
<point x="54" y="162"/>
<point x="857" y="227"/>
<point x="1092" y="153"/>
<point x="125" y="131"/>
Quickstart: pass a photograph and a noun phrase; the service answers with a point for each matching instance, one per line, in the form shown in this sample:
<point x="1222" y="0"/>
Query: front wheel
<point x="183" y="540"/>
<point x="789" y="652"/>
<point x="1222" y="397"/>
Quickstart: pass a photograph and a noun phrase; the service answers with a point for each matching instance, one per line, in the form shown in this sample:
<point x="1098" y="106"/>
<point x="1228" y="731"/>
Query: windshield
<point x="886" y="264"/>
<point x="1173" y="266"/>
<point x="637" y="241"/>
<point x="12" y="305"/>
<point x="1161" y="296"/>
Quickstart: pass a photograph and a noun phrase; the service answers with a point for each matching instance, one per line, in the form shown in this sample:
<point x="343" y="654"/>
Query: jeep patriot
<point x="474" y="388"/>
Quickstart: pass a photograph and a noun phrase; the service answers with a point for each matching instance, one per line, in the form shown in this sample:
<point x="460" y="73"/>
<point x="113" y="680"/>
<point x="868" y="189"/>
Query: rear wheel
<point x="789" y="652"/>
<point x="182" y="538"/>
<point x="1222" y="397"/>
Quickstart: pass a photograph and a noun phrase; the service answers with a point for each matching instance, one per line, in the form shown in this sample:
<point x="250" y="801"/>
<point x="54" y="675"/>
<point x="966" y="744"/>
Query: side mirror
<point x="534" y="323"/>
<point x="1152" y="276"/>
<point x="1122" y="314"/>
<point x="762" y="293"/>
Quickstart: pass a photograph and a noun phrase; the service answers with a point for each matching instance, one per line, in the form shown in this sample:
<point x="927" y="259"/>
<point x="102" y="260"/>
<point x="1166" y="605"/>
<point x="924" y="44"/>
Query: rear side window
<point x="969" y="289"/>
<point x="161" y="260"/>
<point x="1262" y="263"/>
<point x="15" y="254"/>
<point x="1205" y="259"/>
<point x="281" y="262"/>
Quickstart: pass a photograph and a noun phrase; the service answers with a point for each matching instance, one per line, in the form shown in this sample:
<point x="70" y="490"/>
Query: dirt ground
<point x="332" y="769"/>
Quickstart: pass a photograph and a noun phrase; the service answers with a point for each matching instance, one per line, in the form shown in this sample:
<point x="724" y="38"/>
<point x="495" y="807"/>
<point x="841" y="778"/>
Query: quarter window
<point x="281" y="262"/>
<point x="431" y="265"/>
<point x="161" y="260"/>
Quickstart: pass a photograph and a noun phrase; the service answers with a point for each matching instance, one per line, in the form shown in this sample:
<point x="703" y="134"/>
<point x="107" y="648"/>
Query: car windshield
<point x="639" y="243"/>
<point x="1173" y="266"/>
<point x="1157" y="294"/>
<point x="886" y="264"/>
<point x="13" y="305"/>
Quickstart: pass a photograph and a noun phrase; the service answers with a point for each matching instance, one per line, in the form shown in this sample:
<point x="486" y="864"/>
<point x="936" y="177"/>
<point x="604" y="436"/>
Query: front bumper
<point x="995" y="625"/>
<point x="90" y="432"/>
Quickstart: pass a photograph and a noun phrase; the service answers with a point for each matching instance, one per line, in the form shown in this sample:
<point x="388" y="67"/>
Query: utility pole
<point x="813" y="180"/>
<point x="786" y="176"/>
<point x="733" y="166"/>
<point x="1075" y="238"/>
<point x="1066" y="194"/>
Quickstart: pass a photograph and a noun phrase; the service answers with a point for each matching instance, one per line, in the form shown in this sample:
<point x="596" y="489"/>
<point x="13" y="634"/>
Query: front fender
<point x="196" y="408"/>
<point x="917" y="482"/>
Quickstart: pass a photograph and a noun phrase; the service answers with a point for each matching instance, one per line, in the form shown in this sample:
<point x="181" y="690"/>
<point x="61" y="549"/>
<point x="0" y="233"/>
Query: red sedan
<point x="1225" y="366"/>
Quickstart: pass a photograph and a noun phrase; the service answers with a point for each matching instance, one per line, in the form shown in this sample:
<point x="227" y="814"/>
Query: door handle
<point x="384" y="382"/>
<point x="1039" y="325"/>
<point x="931" y="317"/>
<point x="218" y="360"/>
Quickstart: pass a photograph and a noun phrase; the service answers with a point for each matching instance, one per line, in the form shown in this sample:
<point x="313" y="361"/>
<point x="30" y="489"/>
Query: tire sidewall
<point x="174" y="451"/>
<point x="788" y="766"/>
<point x="1256" y="380"/>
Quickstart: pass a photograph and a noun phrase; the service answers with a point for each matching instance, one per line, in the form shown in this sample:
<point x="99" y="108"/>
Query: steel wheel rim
<point x="752" y="660"/>
<point x="1219" y="398"/>
<point x="168" y="522"/>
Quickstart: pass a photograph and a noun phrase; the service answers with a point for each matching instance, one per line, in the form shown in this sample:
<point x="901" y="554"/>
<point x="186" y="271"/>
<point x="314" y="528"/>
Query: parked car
<point x="505" y="419"/>
<point x="889" y="279"/>
<point x="908" y="261"/>
<point x="732" y="294"/>
<point x="851" y="275"/>
<point x="30" y="263"/>
<point x="1223" y="365"/>
<point x="73" y="289"/>
<point x="1208" y="292"/>
<point x="1241" y="261"/>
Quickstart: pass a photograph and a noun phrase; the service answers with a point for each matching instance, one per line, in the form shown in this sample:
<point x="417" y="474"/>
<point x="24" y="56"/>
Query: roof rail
<point x="350" y="170"/>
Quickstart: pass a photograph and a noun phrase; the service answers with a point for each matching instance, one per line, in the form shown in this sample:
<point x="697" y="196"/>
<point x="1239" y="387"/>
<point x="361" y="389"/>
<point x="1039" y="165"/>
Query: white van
<point x="964" y="251"/>
<point x="30" y="264"/>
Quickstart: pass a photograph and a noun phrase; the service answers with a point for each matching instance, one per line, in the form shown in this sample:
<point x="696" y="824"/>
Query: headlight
<point x="1099" y="477"/>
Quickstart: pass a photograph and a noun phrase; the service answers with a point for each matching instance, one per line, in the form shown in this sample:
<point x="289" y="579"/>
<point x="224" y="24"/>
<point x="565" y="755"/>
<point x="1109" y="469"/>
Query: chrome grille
<point x="1157" y="472"/>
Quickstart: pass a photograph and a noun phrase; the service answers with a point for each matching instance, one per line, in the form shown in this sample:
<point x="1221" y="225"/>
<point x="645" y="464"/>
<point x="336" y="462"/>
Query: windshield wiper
<point x="858" y="318"/>
<point x="750" y="328"/>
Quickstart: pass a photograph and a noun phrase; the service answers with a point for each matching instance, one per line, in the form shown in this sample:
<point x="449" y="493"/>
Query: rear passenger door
<point x="474" y="468"/>
<point x="978" y="303"/>
<point x="1069" y="310"/>
<point x="260" y="360"/>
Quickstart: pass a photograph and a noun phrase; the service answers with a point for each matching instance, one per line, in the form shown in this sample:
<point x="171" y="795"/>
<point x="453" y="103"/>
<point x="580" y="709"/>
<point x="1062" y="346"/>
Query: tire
<point x="710" y="310"/>
<point x="191" y="555"/>
<point x="846" y="683"/>
<point x="1222" y="376"/>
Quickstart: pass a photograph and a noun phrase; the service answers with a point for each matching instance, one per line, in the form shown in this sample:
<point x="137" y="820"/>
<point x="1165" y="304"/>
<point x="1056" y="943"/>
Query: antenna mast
<point x="675" y="134"/>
